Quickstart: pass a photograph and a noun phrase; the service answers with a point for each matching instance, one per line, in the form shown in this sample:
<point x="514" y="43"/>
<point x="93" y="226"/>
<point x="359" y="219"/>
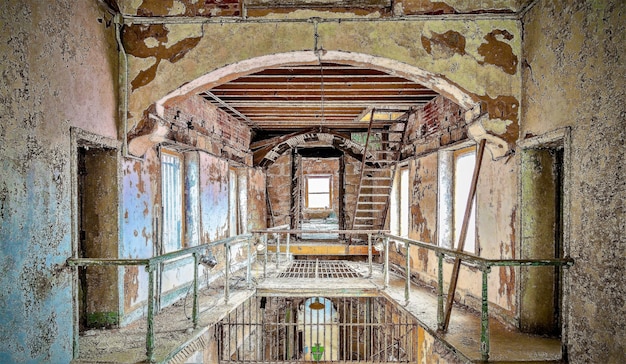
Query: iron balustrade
<point x="261" y="236"/>
<point x="483" y="264"/>
<point x="269" y="329"/>
<point x="278" y="231"/>
<point x="151" y="263"/>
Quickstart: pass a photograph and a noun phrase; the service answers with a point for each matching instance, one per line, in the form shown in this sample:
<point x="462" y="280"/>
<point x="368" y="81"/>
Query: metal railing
<point x="299" y="329"/>
<point x="278" y="231"/>
<point x="483" y="264"/>
<point x="150" y="265"/>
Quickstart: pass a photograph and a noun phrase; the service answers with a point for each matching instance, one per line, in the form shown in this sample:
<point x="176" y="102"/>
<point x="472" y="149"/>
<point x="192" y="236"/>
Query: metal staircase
<point x="383" y="146"/>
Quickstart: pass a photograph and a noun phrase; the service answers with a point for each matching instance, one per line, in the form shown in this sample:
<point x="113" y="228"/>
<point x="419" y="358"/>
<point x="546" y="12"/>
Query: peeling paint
<point x="499" y="53"/>
<point x="134" y="38"/>
<point x="446" y="44"/>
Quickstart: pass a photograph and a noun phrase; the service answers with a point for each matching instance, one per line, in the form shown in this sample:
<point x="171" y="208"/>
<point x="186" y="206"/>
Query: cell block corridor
<point x="317" y="329"/>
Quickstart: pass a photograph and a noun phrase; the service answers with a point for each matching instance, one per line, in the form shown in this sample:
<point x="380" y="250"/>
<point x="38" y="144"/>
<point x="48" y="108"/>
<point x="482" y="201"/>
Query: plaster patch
<point x="179" y="32"/>
<point x="151" y="42"/>
<point x="496" y="126"/>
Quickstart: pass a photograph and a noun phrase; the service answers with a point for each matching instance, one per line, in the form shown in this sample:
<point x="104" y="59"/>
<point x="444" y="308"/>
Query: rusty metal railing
<point x="278" y="231"/>
<point x="151" y="263"/>
<point x="484" y="265"/>
<point x="303" y="329"/>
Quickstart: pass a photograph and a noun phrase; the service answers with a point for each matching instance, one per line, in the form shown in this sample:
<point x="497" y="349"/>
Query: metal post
<point x="277" y="250"/>
<point x="407" y="288"/>
<point x="265" y="256"/>
<point x="288" y="248"/>
<point x="195" y="290"/>
<point x="317" y="263"/>
<point x="386" y="267"/>
<point x="369" y="253"/>
<point x="484" y="317"/>
<point x="226" y="272"/>
<point x="150" y="332"/>
<point x="249" y="263"/>
<point x="440" y="291"/>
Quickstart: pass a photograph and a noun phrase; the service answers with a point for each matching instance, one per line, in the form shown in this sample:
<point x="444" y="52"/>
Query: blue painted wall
<point x="59" y="66"/>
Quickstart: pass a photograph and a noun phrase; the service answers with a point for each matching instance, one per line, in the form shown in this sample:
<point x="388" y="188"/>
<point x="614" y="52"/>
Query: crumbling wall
<point x="59" y="70"/>
<point x="279" y="190"/>
<point x="440" y="124"/>
<point x="573" y="76"/>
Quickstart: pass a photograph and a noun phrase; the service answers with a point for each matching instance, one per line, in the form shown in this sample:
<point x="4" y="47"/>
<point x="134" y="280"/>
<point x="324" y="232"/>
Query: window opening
<point x="404" y="202"/>
<point x="172" y="201"/>
<point x="456" y="168"/>
<point x="318" y="192"/>
<point x="464" y="163"/>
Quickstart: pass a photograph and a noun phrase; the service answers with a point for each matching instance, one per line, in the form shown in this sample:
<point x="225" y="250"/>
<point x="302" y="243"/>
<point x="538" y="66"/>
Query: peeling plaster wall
<point x="573" y="76"/>
<point x="279" y="189"/>
<point x="294" y="8"/>
<point x="139" y="195"/>
<point x="257" y="206"/>
<point x="481" y="57"/>
<point x="442" y="126"/>
<point x="59" y="69"/>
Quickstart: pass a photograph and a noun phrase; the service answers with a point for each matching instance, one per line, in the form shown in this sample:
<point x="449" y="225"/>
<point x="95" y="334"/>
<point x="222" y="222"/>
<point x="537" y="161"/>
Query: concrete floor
<point x="173" y="329"/>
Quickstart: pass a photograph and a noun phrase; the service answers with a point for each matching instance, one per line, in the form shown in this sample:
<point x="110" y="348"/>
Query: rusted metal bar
<point x="83" y="262"/>
<point x="277" y="251"/>
<point x="470" y="258"/>
<point x="369" y="254"/>
<point x="407" y="287"/>
<point x="265" y="256"/>
<point x="440" y="290"/>
<point x="484" y="317"/>
<point x="150" y="331"/>
<point x="463" y="234"/>
<point x="299" y="231"/>
<point x="195" y="290"/>
<point x="249" y="263"/>
<point x="227" y="272"/>
<point x="386" y="279"/>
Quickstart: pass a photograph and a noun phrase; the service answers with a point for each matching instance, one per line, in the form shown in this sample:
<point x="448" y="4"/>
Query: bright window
<point x="172" y="201"/>
<point x="318" y="191"/>
<point x="399" y="204"/>
<point x="456" y="168"/>
<point x="464" y="162"/>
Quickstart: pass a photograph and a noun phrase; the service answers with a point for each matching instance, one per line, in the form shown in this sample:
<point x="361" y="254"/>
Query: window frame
<point x="328" y="177"/>
<point x="400" y="203"/>
<point x="166" y="246"/>
<point x="448" y="202"/>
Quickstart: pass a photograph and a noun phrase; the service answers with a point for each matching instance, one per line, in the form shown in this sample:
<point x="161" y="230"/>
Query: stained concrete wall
<point x="59" y="70"/>
<point x="573" y="76"/>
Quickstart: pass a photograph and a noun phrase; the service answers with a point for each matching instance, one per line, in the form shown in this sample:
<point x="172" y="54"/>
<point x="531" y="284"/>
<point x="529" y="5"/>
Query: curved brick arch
<point x="338" y="141"/>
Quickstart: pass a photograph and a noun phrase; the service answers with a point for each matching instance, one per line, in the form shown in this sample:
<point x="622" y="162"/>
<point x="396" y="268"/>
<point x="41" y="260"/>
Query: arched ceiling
<point x="296" y="97"/>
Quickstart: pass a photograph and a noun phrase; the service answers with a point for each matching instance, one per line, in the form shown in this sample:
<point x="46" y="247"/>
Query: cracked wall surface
<point x="59" y="70"/>
<point x="573" y="73"/>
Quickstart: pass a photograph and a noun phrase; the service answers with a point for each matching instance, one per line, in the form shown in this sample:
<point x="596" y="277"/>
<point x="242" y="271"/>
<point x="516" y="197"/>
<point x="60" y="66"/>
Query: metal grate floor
<point x="319" y="269"/>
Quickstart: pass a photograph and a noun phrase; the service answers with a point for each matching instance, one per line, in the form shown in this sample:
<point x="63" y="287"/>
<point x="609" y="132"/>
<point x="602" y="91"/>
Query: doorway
<point x="542" y="237"/>
<point x="97" y="230"/>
